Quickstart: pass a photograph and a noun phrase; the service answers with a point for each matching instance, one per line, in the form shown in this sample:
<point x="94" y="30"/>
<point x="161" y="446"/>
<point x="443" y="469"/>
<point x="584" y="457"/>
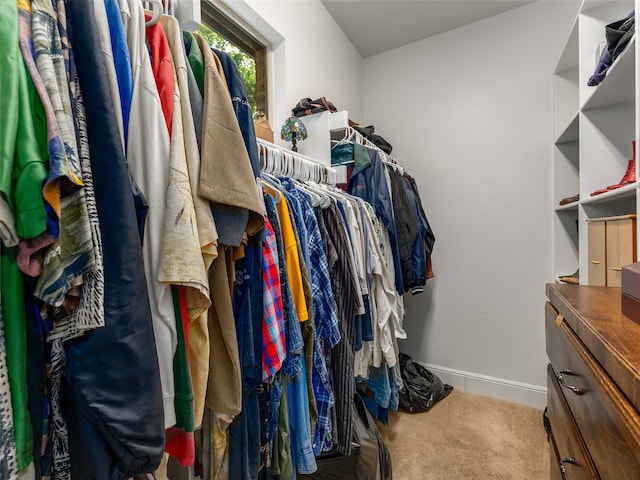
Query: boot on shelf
<point x="568" y="200"/>
<point x="572" y="279"/>
<point x="628" y="177"/>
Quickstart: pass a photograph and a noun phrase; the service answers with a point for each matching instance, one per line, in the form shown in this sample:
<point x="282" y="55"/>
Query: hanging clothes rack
<point x="281" y="161"/>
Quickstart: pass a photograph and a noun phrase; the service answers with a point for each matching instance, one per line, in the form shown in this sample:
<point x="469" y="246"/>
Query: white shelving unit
<point x="593" y="132"/>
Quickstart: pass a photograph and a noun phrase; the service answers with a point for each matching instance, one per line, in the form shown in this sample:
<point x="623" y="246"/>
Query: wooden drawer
<point x="571" y="449"/>
<point x="554" y="457"/>
<point x="609" y="424"/>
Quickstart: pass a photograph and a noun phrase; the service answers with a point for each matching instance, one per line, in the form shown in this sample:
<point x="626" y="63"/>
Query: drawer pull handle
<point x="563" y="470"/>
<point x="616" y="269"/>
<point x="560" y="378"/>
<point x="596" y="262"/>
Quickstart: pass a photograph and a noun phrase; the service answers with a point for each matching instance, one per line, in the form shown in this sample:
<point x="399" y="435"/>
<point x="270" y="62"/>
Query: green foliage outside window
<point x="246" y="64"/>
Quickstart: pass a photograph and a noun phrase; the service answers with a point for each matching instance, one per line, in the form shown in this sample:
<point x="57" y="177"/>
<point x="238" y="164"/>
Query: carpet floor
<point x="468" y="437"/>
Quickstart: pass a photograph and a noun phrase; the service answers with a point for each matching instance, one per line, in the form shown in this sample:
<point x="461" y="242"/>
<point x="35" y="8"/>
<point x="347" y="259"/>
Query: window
<point x="221" y="32"/>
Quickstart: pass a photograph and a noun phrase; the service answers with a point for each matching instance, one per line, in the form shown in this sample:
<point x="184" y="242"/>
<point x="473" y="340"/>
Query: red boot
<point x="628" y="177"/>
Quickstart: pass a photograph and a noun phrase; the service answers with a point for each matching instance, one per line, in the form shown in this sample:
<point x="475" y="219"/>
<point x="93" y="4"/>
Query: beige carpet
<point x="468" y="437"/>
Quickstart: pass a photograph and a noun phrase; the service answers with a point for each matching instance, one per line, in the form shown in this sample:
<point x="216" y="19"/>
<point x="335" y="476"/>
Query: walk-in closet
<point x="319" y="239"/>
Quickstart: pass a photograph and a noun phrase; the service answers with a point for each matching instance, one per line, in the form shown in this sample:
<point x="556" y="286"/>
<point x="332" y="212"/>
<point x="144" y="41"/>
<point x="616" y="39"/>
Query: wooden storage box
<point x="631" y="291"/>
<point x="611" y="246"/>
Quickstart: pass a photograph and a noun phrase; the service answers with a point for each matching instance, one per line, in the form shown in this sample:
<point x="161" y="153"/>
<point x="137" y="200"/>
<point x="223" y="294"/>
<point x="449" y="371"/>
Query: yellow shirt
<point x="291" y="255"/>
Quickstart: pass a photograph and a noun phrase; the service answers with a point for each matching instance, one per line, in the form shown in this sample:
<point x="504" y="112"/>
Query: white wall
<point x="313" y="57"/>
<point x="469" y="115"/>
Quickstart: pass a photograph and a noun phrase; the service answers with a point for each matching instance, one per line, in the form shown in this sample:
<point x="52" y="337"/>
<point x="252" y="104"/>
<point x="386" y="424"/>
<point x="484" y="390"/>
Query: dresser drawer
<point x="609" y="424"/>
<point x="554" y="457"/>
<point x="571" y="450"/>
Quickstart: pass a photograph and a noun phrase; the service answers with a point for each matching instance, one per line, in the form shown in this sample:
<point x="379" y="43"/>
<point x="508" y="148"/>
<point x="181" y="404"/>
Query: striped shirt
<point x="346" y="292"/>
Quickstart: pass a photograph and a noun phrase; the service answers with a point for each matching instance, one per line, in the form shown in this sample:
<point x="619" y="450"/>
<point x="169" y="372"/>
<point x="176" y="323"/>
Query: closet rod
<point x="282" y="161"/>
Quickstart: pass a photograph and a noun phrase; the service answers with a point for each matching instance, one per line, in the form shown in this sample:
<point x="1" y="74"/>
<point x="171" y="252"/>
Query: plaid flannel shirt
<point x="273" y="339"/>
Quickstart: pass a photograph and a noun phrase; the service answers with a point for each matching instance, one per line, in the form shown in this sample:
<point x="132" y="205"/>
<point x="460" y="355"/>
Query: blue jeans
<point x="301" y="449"/>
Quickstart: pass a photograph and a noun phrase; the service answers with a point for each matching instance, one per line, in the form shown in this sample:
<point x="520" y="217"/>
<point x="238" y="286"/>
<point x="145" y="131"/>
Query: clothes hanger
<point x="316" y="200"/>
<point x="157" y="9"/>
<point x="325" y="198"/>
<point x="348" y="136"/>
<point x="270" y="183"/>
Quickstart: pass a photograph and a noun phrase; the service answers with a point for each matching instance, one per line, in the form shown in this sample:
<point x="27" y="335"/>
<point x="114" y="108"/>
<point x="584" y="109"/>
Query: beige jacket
<point x="226" y="177"/>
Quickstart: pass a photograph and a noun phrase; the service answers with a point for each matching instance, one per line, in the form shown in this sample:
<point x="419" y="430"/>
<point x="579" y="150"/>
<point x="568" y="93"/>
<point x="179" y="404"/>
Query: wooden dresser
<point x="593" y="384"/>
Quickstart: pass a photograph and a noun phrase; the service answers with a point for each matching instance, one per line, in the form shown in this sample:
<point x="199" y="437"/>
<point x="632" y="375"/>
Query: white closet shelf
<point x="619" y="84"/>
<point x="568" y="207"/>
<point x="571" y="133"/>
<point x="568" y="59"/>
<point x="626" y="192"/>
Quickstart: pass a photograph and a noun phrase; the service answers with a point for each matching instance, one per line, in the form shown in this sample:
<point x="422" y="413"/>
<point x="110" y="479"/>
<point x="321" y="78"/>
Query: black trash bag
<point x="421" y="389"/>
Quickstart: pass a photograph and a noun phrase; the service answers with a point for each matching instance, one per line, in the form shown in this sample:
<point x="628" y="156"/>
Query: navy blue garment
<point x="429" y="238"/>
<point x="36" y="378"/>
<point x="368" y="182"/>
<point x="367" y="318"/>
<point x="111" y="394"/>
<point x="418" y="251"/>
<point x="245" y="431"/>
<point x="407" y="228"/>
<point x="241" y="106"/>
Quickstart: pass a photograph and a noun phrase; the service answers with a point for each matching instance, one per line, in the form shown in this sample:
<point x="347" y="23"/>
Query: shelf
<point x="622" y="193"/>
<point x="571" y="133"/>
<point x="569" y="57"/>
<point x="619" y="84"/>
<point x="606" y="10"/>
<point x="568" y="207"/>
<point x="592" y="131"/>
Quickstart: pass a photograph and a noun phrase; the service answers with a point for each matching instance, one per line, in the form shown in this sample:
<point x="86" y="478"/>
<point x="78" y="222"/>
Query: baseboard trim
<point x="523" y="393"/>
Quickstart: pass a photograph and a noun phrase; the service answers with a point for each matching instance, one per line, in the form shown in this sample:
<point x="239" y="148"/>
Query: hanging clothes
<point x="127" y="370"/>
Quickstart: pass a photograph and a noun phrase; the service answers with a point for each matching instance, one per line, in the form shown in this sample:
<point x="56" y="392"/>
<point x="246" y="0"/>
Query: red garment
<point x="162" y="68"/>
<point x="181" y="446"/>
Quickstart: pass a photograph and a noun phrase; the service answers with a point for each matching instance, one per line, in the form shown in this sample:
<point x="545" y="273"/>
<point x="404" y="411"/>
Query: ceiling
<point x="375" y="26"/>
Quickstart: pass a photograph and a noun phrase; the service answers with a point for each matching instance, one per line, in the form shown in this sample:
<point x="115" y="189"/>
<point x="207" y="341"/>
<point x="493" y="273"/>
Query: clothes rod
<point x="282" y="161"/>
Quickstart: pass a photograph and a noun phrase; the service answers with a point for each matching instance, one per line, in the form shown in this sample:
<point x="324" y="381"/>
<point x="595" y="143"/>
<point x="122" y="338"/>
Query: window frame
<point x="217" y="20"/>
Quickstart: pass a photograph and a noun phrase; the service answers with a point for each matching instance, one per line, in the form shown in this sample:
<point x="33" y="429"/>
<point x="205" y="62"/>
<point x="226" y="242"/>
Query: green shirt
<point x="22" y="167"/>
<point x="195" y="59"/>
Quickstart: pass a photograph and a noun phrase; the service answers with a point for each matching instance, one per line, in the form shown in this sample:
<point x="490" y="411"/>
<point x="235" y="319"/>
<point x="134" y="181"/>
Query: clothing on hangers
<point x="381" y="182"/>
<point x="179" y="332"/>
